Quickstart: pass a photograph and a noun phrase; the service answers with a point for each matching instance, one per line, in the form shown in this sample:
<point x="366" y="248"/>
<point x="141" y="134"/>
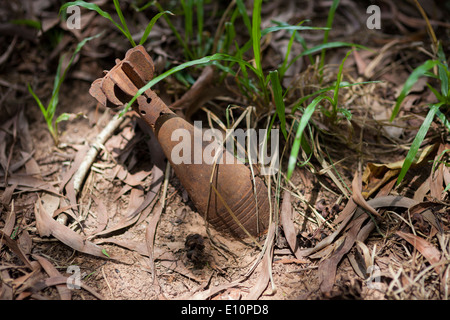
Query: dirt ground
<point x="36" y="176"/>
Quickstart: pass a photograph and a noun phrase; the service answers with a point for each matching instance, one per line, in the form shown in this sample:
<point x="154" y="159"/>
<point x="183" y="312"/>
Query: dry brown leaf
<point x="419" y="194"/>
<point x="377" y="174"/>
<point x="25" y="242"/>
<point x="357" y="195"/>
<point x="7" y="195"/>
<point x="64" y="292"/>
<point x="134" y="215"/>
<point x="150" y="236"/>
<point x="61" y="280"/>
<point x="288" y="225"/>
<point x="447" y="175"/>
<point x="327" y="268"/>
<point x="10" y="221"/>
<point x="426" y="210"/>
<point x="79" y="157"/>
<point x="30" y="182"/>
<point x="292" y="260"/>
<point x="31" y="165"/>
<point x="360" y="63"/>
<point x="26" y="142"/>
<point x="6" y="292"/>
<point x="229" y="294"/>
<point x="102" y="215"/>
<point x="133" y="180"/>
<point x="135" y="200"/>
<point x="437" y="177"/>
<point x="12" y="245"/>
<point x="345" y="216"/>
<point x="424" y="247"/>
<point x="264" y="277"/>
<point x="139" y="247"/>
<point x="348" y="210"/>
<point x="49" y="227"/>
<point x="26" y="157"/>
<point x="122" y="191"/>
<point x="50" y="203"/>
<point x="203" y="295"/>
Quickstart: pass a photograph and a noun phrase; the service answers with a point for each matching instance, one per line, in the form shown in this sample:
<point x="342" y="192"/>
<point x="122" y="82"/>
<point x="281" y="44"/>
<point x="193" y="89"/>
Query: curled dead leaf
<point x="288" y="225"/>
<point x="49" y="227"/>
<point x="424" y="247"/>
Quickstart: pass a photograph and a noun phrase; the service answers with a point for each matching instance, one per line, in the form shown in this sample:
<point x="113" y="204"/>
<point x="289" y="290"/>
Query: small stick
<point x="79" y="176"/>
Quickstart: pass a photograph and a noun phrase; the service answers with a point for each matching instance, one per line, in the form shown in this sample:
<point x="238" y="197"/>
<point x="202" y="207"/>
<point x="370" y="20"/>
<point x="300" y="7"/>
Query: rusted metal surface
<point x="232" y="188"/>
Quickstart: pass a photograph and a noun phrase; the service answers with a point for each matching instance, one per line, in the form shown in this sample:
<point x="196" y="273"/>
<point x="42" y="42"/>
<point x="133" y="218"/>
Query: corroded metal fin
<point x="123" y="81"/>
<point x="96" y="91"/>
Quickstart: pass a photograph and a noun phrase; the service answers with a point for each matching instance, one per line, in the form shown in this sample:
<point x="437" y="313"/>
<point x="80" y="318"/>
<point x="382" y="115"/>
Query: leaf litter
<point x="115" y="222"/>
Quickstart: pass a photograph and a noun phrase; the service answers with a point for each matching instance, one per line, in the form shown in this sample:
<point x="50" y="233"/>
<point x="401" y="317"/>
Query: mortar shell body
<point x="232" y="200"/>
<point x="232" y="179"/>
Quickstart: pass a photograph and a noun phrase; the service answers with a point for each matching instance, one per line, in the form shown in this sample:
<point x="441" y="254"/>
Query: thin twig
<point x="85" y="166"/>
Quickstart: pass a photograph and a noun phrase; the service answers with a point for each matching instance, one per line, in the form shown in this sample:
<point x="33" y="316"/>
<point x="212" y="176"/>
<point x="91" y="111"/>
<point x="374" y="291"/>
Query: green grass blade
<point x="342" y="85"/>
<point x="330" y="19"/>
<point x="150" y="25"/>
<point x="243" y="12"/>
<point x="298" y="38"/>
<point x="63" y="117"/>
<point x="187" y="52"/>
<point x="439" y="96"/>
<point x="443" y="119"/>
<point x="245" y="79"/>
<point x="338" y="83"/>
<point x="279" y="102"/>
<point x="51" y="108"/>
<point x="289" y="27"/>
<point x="47" y="117"/>
<point x="187" y="6"/>
<point x="38" y="101"/>
<point x="283" y="67"/>
<point x="230" y="34"/>
<point x="93" y="7"/>
<point x="294" y="36"/>
<point x="104" y="14"/>
<point x="126" y="32"/>
<point x="443" y="71"/>
<point x="256" y="36"/>
<point x="410" y="157"/>
<point x="61" y="79"/>
<point x="329" y="45"/>
<point x="298" y="135"/>
<point x="200" y="20"/>
<point x="145" y="6"/>
<point x="412" y="79"/>
<point x="27" y="22"/>
<point x="201" y="61"/>
<point x="447" y="188"/>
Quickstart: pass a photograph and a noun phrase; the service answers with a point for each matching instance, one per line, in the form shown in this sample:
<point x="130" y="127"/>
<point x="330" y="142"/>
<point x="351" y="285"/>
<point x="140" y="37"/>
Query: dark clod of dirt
<point x="195" y="246"/>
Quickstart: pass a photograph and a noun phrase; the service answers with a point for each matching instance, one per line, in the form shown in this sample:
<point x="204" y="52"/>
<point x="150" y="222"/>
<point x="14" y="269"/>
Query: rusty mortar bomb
<point x="226" y="194"/>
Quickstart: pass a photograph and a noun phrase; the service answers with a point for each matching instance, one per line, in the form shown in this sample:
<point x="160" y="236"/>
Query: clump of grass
<point x="122" y="26"/>
<point x="261" y="87"/>
<point x="443" y="102"/>
<point x="50" y="111"/>
<point x="442" y="96"/>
